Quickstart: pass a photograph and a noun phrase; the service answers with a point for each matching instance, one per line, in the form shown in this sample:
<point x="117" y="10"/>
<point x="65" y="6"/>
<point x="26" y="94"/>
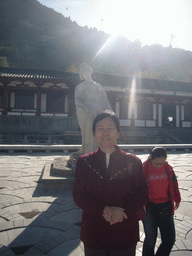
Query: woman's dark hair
<point x="105" y="114"/>
<point x="156" y="152"/>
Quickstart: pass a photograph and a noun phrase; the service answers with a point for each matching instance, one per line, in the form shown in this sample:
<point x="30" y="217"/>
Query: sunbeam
<point x="102" y="49"/>
<point x="132" y="98"/>
<point x="150" y="21"/>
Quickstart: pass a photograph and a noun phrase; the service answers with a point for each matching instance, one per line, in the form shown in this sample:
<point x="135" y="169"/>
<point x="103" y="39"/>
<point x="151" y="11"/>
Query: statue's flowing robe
<point x="90" y="100"/>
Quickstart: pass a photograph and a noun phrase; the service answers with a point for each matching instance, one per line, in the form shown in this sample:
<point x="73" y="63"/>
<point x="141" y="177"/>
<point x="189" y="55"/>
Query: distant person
<point x="90" y="100"/>
<point x="111" y="189"/>
<point x="164" y="199"/>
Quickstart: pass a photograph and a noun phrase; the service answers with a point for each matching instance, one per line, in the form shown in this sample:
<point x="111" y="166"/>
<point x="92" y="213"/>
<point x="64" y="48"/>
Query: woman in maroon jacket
<point x="111" y="189"/>
<point x="164" y="199"/>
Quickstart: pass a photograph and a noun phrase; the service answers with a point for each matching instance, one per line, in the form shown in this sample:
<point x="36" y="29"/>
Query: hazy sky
<point x="150" y="21"/>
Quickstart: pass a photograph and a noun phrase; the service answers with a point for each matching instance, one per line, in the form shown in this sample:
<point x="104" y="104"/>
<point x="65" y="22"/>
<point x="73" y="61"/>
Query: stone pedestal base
<point x="63" y="166"/>
<point x="58" y="175"/>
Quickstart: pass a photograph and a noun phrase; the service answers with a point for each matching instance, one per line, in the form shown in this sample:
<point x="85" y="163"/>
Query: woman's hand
<point x="114" y="214"/>
<point x="176" y="206"/>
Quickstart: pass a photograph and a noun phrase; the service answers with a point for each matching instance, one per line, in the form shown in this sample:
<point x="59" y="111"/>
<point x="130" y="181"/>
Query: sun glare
<point x="150" y="21"/>
<point x="132" y="98"/>
<point x="106" y="45"/>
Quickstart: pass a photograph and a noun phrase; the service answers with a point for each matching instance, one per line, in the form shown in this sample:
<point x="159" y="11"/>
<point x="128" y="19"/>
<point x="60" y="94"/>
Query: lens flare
<point x="132" y="98"/>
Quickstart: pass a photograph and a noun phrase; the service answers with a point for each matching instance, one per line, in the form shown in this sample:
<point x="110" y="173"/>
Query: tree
<point x="4" y="62"/>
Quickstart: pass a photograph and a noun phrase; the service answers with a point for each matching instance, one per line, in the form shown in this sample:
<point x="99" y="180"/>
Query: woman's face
<point x="158" y="162"/>
<point x="106" y="133"/>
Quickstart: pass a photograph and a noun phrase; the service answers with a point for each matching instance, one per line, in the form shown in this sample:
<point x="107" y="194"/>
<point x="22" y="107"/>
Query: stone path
<point x="35" y="222"/>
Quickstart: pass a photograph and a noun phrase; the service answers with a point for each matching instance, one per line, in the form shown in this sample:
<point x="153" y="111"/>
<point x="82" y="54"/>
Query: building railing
<point x="37" y="124"/>
<point x="72" y="148"/>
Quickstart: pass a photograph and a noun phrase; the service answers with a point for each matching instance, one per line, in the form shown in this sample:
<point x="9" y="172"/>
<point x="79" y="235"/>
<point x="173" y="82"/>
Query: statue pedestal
<point x="62" y="166"/>
<point x="59" y="174"/>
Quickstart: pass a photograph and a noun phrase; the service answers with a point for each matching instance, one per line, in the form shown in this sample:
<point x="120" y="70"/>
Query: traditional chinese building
<point x="41" y="102"/>
<point x="143" y="102"/>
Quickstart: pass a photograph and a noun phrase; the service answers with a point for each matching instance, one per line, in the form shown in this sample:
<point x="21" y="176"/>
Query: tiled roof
<point x="36" y="74"/>
<point x="119" y="83"/>
<point x="147" y="91"/>
<point x="109" y="82"/>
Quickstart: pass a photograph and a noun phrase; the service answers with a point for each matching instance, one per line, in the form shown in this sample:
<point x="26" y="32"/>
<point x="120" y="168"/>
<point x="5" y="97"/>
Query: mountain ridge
<point x="35" y="36"/>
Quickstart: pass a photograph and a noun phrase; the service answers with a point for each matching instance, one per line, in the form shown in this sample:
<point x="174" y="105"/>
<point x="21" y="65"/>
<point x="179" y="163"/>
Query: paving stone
<point x="33" y="252"/>
<point x="69" y="248"/>
<point x="59" y="225"/>
<point x="3" y="248"/>
<point x="21" y="177"/>
<point x="69" y="216"/>
<point x="178" y="216"/>
<point x="142" y="236"/>
<point x="60" y="238"/>
<point x="187" y="226"/>
<point x="180" y="245"/>
<point x="5" y="204"/>
<point x="42" y="247"/>
<point x="7" y="252"/>
<point x="6" y="225"/>
<point x="27" y="199"/>
<point x="183" y="227"/>
<point x="27" y="222"/>
<point x="180" y="253"/>
<point x="180" y="235"/>
<point x="49" y="241"/>
<point x="72" y="233"/>
<point x="13" y="216"/>
<point x="189" y="235"/>
<point x="18" y="223"/>
<point x="37" y="222"/>
<point x="189" y="221"/>
<point x="188" y="245"/>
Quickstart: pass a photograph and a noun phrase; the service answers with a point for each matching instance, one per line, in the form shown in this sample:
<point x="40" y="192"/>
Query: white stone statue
<point x="90" y="100"/>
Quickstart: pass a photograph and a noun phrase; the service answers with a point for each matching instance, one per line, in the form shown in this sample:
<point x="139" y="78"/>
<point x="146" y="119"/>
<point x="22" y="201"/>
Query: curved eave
<point x="146" y="91"/>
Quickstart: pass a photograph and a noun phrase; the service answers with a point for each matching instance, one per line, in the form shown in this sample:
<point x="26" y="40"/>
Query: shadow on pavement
<point x="50" y="226"/>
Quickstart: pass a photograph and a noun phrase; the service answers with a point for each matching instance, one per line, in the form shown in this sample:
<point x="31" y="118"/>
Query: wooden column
<point x="113" y="101"/>
<point x="178" y="116"/>
<point x="71" y="99"/>
<point x="160" y="115"/>
<point x="5" y="98"/>
<point x="38" y="113"/>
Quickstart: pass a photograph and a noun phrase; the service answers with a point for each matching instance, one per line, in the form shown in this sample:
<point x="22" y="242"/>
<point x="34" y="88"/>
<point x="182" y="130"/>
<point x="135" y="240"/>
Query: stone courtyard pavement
<point x="35" y="222"/>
